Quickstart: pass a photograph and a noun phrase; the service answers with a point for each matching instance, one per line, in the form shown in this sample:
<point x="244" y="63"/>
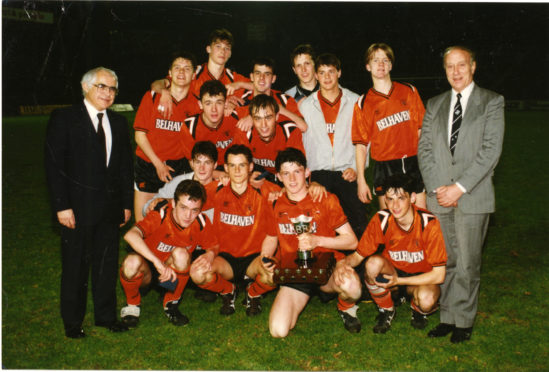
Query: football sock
<point x="381" y="296"/>
<point x="183" y="278"/>
<point x="344" y="305"/>
<point x="131" y="288"/>
<point x="218" y="285"/>
<point x="257" y="288"/>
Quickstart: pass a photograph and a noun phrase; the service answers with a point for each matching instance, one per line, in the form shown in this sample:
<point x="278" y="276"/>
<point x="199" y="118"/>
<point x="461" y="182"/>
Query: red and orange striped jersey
<point x="417" y="250"/>
<point x="222" y="136"/>
<point x="389" y="122"/>
<point x="330" y="111"/>
<point x="164" y="135"/>
<point x="282" y="99"/>
<point x="242" y="221"/>
<point x="327" y="217"/>
<point x="162" y="234"/>
<point x="203" y="74"/>
<point x="264" y="153"/>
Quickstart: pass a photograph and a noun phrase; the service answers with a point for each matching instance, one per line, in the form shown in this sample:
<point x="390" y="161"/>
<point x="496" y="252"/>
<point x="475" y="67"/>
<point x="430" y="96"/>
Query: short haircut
<point x="213" y="88"/>
<point x="397" y="182"/>
<point x="264" y="61"/>
<point x="290" y="155"/>
<point x="192" y="188"/>
<point x="302" y="49"/>
<point x="221" y="34"/>
<point x="206" y="148"/>
<point x="184" y="55"/>
<point x="239" y="150"/>
<point x="379" y="46"/>
<point x="90" y="77"/>
<point x="262" y="101"/>
<point x="327" y="59"/>
<point x="458" y="47"/>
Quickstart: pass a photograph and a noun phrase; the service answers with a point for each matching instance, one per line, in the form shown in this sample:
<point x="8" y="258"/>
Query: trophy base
<point x="316" y="270"/>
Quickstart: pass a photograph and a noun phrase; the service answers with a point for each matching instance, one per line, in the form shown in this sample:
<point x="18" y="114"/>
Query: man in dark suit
<point x="89" y="168"/>
<point x="459" y="148"/>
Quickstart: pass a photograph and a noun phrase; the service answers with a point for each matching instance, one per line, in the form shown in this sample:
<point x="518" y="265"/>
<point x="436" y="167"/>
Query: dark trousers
<point x="346" y="192"/>
<point x="82" y="248"/>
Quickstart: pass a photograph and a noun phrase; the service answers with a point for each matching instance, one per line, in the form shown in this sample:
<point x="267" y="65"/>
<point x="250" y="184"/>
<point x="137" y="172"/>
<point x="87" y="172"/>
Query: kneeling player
<point x="330" y="233"/>
<point x="405" y="247"/>
<point x="242" y="220"/>
<point x="166" y="238"/>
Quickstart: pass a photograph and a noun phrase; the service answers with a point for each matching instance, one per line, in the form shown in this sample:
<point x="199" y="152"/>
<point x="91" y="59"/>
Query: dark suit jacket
<point x="77" y="176"/>
<point x="476" y="154"/>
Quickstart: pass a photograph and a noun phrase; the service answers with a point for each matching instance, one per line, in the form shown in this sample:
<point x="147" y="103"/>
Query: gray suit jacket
<point x="476" y="154"/>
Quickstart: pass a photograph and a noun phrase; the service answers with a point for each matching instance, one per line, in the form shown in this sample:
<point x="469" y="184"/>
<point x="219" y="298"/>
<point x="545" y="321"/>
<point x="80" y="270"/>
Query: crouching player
<point x="242" y="220"/>
<point x="330" y="232"/>
<point x="166" y="238"/>
<point x="405" y="247"/>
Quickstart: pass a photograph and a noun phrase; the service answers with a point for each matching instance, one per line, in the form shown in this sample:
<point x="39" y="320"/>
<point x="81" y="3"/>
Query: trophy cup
<point x="302" y="225"/>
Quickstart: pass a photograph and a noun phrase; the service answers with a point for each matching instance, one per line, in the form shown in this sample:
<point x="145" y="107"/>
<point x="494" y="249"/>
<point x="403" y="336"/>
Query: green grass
<point x="511" y="331"/>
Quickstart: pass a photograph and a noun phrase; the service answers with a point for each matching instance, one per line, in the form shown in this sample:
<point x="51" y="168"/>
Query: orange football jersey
<point x="417" y="250"/>
<point x="327" y="217"/>
<point x="166" y="136"/>
<point x="389" y="122"/>
<point x="162" y="234"/>
<point x="242" y="221"/>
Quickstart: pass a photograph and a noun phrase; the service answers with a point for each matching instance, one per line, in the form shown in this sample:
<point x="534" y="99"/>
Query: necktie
<point x="456" y="123"/>
<point x="101" y="136"/>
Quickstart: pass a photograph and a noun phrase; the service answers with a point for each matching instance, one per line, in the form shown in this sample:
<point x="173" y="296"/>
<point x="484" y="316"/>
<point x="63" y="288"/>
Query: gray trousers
<point x="464" y="236"/>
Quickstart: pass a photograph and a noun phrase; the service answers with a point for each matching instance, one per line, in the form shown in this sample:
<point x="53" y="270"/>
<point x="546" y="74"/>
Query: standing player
<point x="405" y="247"/>
<point x="219" y="49"/>
<point x="330" y="232"/>
<point x="388" y="118"/>
<point x="161" y="152"/>
<point x="330" y="151"/>
<point x="268" y="135"/>
<point x="211" y="125"/>
<point x="302" y="61"/>
<point x="263" y="77"/>
<point x="166" y="239"/>
<point x="242" y="220"/>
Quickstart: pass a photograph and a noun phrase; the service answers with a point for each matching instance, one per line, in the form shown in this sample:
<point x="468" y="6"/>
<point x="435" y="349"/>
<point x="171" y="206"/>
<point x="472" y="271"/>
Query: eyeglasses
<point x="106" y="89"/>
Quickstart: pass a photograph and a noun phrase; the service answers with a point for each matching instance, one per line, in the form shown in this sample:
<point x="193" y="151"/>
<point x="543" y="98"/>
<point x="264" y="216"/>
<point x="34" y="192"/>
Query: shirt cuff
<point x="461" y="187"/>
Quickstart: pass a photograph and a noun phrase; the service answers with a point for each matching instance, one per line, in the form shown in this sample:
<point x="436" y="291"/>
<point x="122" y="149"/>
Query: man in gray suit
<point x="458" y="150"/>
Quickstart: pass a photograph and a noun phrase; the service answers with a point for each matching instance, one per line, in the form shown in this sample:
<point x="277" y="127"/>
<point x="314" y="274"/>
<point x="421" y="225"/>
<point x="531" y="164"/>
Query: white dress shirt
<point x="92" y="111"/>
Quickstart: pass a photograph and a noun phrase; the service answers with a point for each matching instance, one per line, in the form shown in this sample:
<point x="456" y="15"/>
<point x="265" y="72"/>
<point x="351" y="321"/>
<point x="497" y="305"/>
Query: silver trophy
<point x="302" y="225"/>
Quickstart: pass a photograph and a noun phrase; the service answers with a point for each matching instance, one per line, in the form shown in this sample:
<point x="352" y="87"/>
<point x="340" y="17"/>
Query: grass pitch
<point x="511" y="331"/>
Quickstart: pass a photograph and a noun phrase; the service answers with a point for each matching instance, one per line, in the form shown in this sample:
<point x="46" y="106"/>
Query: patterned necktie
<point x="101" y="135"/>
<point x="456" y="123"/>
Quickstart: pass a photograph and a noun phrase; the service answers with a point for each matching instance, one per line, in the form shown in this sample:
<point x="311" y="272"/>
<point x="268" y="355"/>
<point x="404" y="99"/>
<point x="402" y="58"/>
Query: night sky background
<point x="43" y="63"/>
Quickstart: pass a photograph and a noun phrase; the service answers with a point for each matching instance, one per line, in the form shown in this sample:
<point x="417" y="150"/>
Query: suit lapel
<point x="442" y="116"/>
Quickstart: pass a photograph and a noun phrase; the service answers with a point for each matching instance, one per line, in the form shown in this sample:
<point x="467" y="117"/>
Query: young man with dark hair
<point x="166" y="240"/>
<point x="263" y="77"/>
<point x="268" y="135"/>
<point x="219" y="48"/>
<point x="211" y="125"/>
<point x="160" y="153"/>
<point x="328" y="145"/>
<point x="302" y="61"/>
<point x="242" y="220"/>
<point x="404" y="246"/>
<point x="330" y="232"/>
<point x="388" y="120"/>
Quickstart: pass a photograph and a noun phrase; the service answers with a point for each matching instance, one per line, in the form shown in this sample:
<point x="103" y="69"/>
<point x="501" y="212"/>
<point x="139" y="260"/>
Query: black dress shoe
<point x="441" y="330"/>
<point x="115" y="326"/>
<point x="75" y="332"/>
<point x="461" y="334"/>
